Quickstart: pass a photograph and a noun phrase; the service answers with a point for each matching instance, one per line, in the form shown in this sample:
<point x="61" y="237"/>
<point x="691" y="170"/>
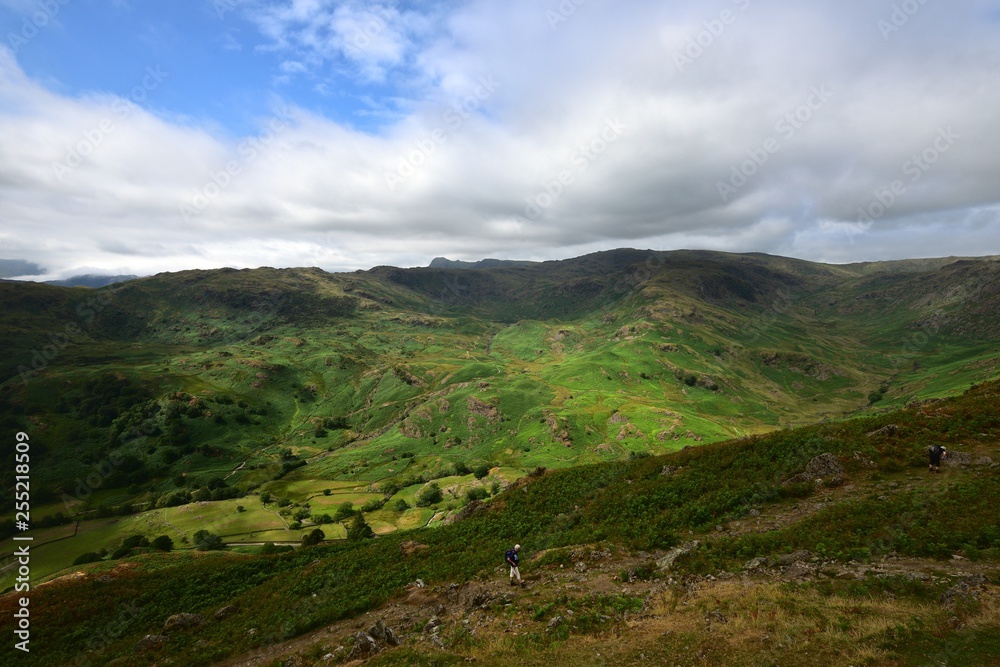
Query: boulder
<point x="226" y="612"/>
<point x="667" y="561"/>
<point x="788" y="559"/>
<point x="182" y="622"/>
<point x="554" y="623"/>
<point x="364" y="647"/>
<point x="382" y="633"/>
<point x="150" y="642"/>
<point x="474" y="596"/>
<point x="825" y="465"/>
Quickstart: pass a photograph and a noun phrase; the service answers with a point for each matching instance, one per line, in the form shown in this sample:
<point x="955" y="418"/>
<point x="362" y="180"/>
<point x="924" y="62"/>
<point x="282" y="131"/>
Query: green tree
<point x="206" y="541"/>
<point x="345" y="510"/>
<point x="89" y="557"/>
<point x="429" y="495"/>
<point x="135" y="541"/>
<point x="477" y="493"/>
<point x="163" y="543"/>
<point x="314" y="537"/>
<point x="359" y="528"/>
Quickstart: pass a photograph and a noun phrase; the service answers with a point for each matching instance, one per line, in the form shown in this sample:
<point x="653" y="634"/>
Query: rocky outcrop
<point x="668" y="561"/>
<point x="182" y="622"/>
<point x="825" y="466"/>
<point x="378" y="638"/>
<point x="478" y="407"/>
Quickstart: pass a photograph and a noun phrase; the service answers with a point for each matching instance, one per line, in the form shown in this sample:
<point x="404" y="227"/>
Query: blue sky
<point x="140" y="136"/>
<point x="221" y="68"/>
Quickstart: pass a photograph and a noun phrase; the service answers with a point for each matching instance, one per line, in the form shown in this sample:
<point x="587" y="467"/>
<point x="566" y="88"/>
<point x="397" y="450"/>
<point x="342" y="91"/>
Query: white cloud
<point x="498" y="107"/>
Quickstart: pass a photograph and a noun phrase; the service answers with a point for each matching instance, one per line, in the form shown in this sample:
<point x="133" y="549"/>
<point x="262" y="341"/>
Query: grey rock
<point x="383" y="633"/>
<point x="182" y="622"/>
<point x="150" y="642"/>
<point x="788" y="559"/>
<point x="364" y="647"/>
<point x="824" y="465"/>
<point x="226" y="612"/>
<point x="965" y="591"/>
<point x="554" y="623"/>
<point x="668" y="561"/>
<point x="800" y="570"/>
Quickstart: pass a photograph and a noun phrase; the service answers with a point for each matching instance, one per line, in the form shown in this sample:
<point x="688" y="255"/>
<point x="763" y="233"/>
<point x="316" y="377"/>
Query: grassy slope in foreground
<point x="887" y="505"/>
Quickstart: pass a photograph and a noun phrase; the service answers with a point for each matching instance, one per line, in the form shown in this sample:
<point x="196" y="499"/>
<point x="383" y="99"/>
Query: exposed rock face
<point x="364" y="647"/>
<point x="409" y="547"/>
<point x="182" y="622"/>
<point x="823" y="466"/>
<point x="383" y="633"/>
<point x="376" y="639"/>
<point x="483" y="409"/>
<point x="475" y="596"/>
<point x="226" y="612"/>
<point x="150" y="642"/>
<point x="964" y="592"/>
<point x="667" y="561"/>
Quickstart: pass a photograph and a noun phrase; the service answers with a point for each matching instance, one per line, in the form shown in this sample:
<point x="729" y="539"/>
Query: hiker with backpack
<point x="937" y="452"/>
<point x="512" y="560"/>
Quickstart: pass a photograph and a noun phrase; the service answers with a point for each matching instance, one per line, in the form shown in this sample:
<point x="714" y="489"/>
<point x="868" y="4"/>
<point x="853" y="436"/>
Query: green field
<point x="195" y="392"/>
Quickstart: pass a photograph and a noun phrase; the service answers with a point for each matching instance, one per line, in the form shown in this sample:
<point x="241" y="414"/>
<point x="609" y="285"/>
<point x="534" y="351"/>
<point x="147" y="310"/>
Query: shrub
<point x="314" y="537"/>
<point x="135" y="541"/>
<point x="429" y="495"/>
<point x="373" y="504"/>
<point x="163" y="543"/>
<point x="401" y="505"/>
<point x="206" y="541"/>
<point x="120" y="552"/>
<point x="89" y="557"/>
<point x="477" y="493"/>
<point x="344" y="511"/>
<point x="481" y="471"/>
<point x="359" y="528"/>
<point x="272" y="548"/>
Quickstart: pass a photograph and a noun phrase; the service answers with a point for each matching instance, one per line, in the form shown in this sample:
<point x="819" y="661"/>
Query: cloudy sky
<point x="139" y="136"/>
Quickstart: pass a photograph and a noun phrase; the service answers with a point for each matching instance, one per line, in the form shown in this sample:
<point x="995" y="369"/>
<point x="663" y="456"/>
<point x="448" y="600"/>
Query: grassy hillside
<point x="217" y="387"/>
<point x="830" y="542"/>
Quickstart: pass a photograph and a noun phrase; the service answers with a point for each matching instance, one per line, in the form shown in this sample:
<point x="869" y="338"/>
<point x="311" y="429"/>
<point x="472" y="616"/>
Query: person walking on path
<point x="937" y="452"/>
<point x="513" y="561"/>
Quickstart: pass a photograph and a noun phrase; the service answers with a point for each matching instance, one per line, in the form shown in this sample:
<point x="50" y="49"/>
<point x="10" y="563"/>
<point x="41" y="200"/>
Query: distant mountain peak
<point x="91" y="280"/>
<point x="489" y="263"/>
